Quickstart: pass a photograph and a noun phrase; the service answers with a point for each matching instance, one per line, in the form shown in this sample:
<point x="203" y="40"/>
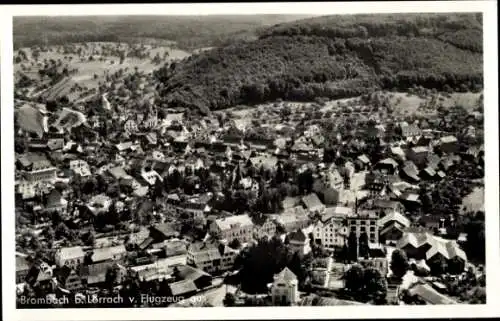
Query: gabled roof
<point x="230" y="222"/>
<point x="312" y="201"/>
<point x="74" y="252"/>
<point x="394" y="217"/>
<point x="107" y="253"/>
<point x="297" y="236"/>
<point x="285" y="275"/>
<point x="182" y="287"/>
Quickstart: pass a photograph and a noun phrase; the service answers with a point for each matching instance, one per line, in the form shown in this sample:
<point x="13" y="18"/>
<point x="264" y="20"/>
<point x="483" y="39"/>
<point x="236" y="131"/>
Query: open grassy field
<point x="87" y="69"/>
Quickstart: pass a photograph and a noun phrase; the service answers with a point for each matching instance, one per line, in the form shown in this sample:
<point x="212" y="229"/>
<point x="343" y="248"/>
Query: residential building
<point x="80" y="167"/>
<point x="297" y="241"/>
<point x="22" y="268"/>
<point x="37" y="168"/>
<point x="313" y="204"/>
<point x="70" y="256"/>
<point x="320" y="271"/>
<point x="365" y="223"/>
<point x="392" y="226"/>
<point x="418" y="155"/>
<point x="293" y="218"/>
<point x="285" y="288"/>
<point x="211" y="257"/>
<point x="234" y="227"/>
<point x="409" y="130"/>
<point x="330" y="232"/>
<point x="448" y="144"/>
<point x="69" y="279"/>
<point x="264" y="226"/>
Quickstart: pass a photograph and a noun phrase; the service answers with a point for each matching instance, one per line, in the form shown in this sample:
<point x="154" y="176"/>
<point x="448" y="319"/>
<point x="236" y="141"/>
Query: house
<point x="362" y="162"/>
<point x="312" y="203"/>
<point x="365" y="223"/>
<point x="40" y="276"/>
<point x="418" y="155"/>
<point x="392" y="226"/>
<point x="55" y="201"/>
<point x="293" y="218"/>
<point x="297" y="241"/>
<point x="162" y="232"/>
<point x="99" y="204"/>
<point x="284" y="289"/>
<point x="55" y="144"/>
<point x="334" y="179"/>
<point x="449" y="162"/>
<point x="432" y="161"/>
<point x="69" y="279"/>
<point x="37" y="168"/>
<point x="195" y="209"/>
<point x="398" y="153"/>
<point x="130" y="126"/>
<point x="289" y="202"/>
<point x="387" y="165"/>
<point x="410" y="172"/>
<point x="320" y="271"/>
<point x="22" y="268"/>
<point x="409" y="130"/>
<point x="234" y="227"/>
<point x="447" y="144"/>
<point x="211" y="257"/>
<point x="80" y="167"/>
<point x="109" y="254"/>
<point x="264" y="226"/>
<point x="184" y="288"/>
<point x="428" y="295"/>
<point x="186" y="272"/>
<point x="379" y="263"/>
<point x="330" y="231"/>
<point x="70" y="256"/>
<point x="430" y="248"/>
<point x="26" y="189"/>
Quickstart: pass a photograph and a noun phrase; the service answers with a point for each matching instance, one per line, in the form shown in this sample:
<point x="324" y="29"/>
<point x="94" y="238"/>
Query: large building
<point x="330" y="231"/>
<point x="238" y="227"/>
<point x="70" y="256"/>
<point x="211" y="257"/>
<point x="37" y="168"/>
<point x="365" y="223"/>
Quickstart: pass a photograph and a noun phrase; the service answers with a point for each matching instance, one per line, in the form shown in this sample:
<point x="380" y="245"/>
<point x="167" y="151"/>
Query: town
<point x="322" y="203"/>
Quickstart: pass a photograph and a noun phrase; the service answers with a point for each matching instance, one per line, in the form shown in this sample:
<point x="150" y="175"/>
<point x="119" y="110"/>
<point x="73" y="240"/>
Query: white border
<point x="489" y="9"/>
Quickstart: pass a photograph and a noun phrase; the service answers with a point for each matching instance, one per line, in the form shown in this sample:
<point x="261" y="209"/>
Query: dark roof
<point x="183" y="287"/>
<point x="166" y="229"/>
<point x="187" y="272"/>
<point x="298" y="236"/>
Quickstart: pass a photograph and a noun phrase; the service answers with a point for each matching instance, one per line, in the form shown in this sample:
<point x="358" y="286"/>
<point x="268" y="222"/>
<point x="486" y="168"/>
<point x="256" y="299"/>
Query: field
<point x="90" y="73"/>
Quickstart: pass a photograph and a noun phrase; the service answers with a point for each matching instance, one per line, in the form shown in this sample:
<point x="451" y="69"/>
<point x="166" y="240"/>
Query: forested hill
<point x="332" y="57"/>
<point x="188" y="32"/>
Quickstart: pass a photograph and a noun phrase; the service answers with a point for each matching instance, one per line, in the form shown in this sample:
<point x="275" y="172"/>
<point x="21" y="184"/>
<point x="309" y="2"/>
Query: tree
<point x="352" y="243"/>
<point x="438" y="265"/>
<point x="235" y="244"/>
<point x="354" y="279"/>
<point x="399" y="263"/>
<point x="229" y="300"/>
<point x="364" y="250"/>
<point x="375" y="285"/>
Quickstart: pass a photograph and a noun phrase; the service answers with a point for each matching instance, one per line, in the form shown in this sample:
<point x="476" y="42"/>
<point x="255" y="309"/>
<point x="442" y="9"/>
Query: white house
<point x="285" y="288"/>
<point x="70" y="256"/>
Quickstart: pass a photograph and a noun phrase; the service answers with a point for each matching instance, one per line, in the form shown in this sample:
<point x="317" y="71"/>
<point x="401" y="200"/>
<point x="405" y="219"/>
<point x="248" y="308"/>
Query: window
<point x="372" y="222"/>
<point x="362" y="229"/>
<point x="353" y="222"/>
<point x="372" y="228"/>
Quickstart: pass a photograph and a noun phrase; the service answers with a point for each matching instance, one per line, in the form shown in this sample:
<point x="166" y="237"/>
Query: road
<point x="216" y="296"/>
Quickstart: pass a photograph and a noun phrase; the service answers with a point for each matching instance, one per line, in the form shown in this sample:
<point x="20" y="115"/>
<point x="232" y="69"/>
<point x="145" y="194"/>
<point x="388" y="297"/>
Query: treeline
<point x="302" y="68"/>
<point x="380" y="25"/>
<point x="189" y="32"/>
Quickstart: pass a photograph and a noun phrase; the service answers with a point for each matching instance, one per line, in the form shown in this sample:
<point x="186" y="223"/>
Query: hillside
<point x="332" y="57"/>
<point x="188" y="32"/>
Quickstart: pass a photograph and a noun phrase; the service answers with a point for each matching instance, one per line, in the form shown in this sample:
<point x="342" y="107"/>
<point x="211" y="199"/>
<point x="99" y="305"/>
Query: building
<point x="293" y="218"/>
<point x="426" y="294"/>
<point x="70" y="256"/>
<point x="392" y="226"/>
<point x="409" y="130"/>
<point x="80" y="167"/>
<point x="162" y="232"/>
<point x="365" y="223"/>
<point x="330" y="232"/>
<point x="234" y="227"/>
<point x="447" y="144"/>
<point x="320" y="271"/>
<point x="285" y="288"/>
<point x="297" y="241"/>
<point x="418" y="155"/>
<point x="69" y="279"/>
<point x="313" y="204"/>
<point x="22" y="269"/>
<point x="37" y="168"/>
<point x="425" y="246"/>
<point x="264" y="226"/>
<point x="211" y="257"/>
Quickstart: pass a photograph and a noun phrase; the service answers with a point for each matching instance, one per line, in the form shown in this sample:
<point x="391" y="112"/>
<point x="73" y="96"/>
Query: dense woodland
<point x="323" y="57"/>
<point x="188" y="32"/>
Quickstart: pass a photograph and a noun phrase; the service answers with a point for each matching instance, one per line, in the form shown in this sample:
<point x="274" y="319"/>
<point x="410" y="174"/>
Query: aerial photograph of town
<point x="249" y="160"/>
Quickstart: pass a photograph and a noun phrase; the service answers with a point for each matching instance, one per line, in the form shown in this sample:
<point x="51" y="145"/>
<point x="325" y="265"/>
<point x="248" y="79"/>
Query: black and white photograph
<point x="250" y="160"/>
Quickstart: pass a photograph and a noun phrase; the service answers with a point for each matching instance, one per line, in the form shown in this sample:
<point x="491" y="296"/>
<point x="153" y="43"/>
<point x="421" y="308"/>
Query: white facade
<point x="331" y="233"/>
<point x="285" y="288"/>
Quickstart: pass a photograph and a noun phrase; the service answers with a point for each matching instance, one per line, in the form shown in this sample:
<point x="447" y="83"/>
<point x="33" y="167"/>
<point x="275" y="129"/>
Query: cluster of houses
<point x="358" y="197"/>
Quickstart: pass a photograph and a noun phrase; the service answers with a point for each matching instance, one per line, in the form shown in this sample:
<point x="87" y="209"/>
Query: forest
<point x="323" y="57"/>
<point x="188" y="32"/>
